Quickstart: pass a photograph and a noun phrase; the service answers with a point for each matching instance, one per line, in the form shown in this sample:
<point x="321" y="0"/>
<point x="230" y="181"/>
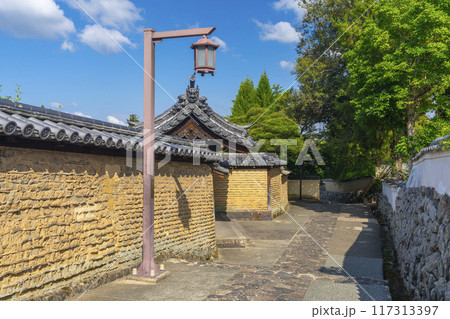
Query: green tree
<point x="399" y="66"/>
<point x="269" y="121"/>
<point x="274" y="125"/>
<point x="427" y="129"/>
<point x="133" y="118"/>
<point x="320" y="69"/>
<point x="264" y="94"/>
<point x="245" y="99"/>
<point x="323" y="97"/>
<point x="368" y="115"/>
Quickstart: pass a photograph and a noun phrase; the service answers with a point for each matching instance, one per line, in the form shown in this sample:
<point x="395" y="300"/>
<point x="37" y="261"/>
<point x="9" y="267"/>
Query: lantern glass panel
<point x="210" y="56"/>
<point x="201" y="56"/>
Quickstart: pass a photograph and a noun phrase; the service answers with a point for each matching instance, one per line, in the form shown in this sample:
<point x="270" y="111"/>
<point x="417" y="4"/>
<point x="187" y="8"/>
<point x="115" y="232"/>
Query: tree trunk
<point x="411" y="116"/>
<point x="398" y="166"/>
<point x="397" y="157"/>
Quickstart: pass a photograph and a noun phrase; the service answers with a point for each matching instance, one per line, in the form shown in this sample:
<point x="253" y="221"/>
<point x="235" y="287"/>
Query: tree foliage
<point x="323" y="94"/>
<point x="321" y="73"/>
<point x="399" y="66"/>
<point x="133" y="118"/>
<point x="265" y="107"/>
<point x="245" y="99"/>
<point x="15" y="98"/>
<point x="264" y="94"/>
<point x="367" y="76"/>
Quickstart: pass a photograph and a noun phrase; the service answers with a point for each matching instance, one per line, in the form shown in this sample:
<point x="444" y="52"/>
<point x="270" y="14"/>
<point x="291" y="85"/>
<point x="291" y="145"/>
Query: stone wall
<point x="345" y="191"/>
<point x="278" y="192"/>
<point x="184" y="227"/>
<point x="310" y="189"/>
<point x="241" y="191"/>
<point x="284" y="188"/>
<point x="67" y="218"/>
<point x="418" y="215"/>
<point x="420" y="230"/>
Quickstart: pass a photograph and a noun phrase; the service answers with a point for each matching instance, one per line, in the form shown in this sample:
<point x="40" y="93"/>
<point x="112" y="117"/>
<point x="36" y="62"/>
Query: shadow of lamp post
<point x="205" y="58"/>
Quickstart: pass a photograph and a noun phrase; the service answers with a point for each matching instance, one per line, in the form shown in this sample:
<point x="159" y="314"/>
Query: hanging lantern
<point x="204" y="56"/>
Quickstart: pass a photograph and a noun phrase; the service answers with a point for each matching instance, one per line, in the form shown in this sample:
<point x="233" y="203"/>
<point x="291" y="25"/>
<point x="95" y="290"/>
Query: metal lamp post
<point x="148" y="267"/>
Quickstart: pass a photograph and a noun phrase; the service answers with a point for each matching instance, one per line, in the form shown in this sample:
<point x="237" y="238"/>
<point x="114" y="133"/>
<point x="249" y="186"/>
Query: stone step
<point x="230" y="234"/>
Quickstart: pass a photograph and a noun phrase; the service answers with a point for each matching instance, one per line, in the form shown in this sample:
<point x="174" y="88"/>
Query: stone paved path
<point x="283" y="259"/>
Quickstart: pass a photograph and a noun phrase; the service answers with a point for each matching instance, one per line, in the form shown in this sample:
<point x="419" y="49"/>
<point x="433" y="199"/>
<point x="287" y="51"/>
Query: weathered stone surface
<point x="65" y="218"/>
<point x="291" y="275"/>
<point x="243" y="193"/>
<point x="420" y="230"/>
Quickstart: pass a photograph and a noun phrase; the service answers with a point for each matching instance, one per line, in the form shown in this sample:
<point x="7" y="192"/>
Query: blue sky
<point x="59" y="55"/>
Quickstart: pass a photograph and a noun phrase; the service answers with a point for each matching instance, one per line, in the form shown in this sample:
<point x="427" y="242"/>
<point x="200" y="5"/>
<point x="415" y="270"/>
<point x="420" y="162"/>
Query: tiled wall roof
<point x="33" y="122"/>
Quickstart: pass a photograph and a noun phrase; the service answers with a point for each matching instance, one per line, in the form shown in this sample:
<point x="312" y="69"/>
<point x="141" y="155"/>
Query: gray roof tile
<point x="190" y="104"/>
<point x="28" y="121"/>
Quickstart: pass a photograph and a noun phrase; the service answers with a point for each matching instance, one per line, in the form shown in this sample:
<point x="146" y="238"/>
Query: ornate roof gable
<point x="190" y="105"/>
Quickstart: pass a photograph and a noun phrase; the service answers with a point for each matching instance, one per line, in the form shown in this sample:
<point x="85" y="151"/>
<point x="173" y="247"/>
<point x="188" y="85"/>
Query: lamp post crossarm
<point x="159" y="36"/>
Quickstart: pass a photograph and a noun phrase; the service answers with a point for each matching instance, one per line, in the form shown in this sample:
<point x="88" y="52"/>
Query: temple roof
<point x="37" y="123"/>
<point x="250" y="160"/>
<point x="190" y="105"/>
<point x="31" y="122"/>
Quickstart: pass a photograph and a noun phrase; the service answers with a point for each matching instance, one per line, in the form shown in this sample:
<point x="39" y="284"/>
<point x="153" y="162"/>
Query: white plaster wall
<point x="310" y="189"/>
<point x="391" y="193"/>
<point x="353" y="185"/>
<point x="431" y="170"/>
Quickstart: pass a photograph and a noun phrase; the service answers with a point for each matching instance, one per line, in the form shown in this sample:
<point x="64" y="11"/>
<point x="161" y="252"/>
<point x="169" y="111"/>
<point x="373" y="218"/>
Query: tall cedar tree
<point x="245" y="99"/>
<point x="269" y="120"/>
<point x="264" y="93"/>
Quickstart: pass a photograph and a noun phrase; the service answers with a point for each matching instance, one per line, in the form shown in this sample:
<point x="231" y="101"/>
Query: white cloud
<point x="114" y="120"/>
<point x="223" y="44"/>
<point x="95" y="37"/>
<point x="196" y="25"/>
<point x="68" y="46"/>
<point x="282" y="32"/>
<point x="81" y="114"/>
<point x="290" y="5"/>
<point x="34" y="19"/>
<point x="287" y="65"/>
<point x="118" y="14"/>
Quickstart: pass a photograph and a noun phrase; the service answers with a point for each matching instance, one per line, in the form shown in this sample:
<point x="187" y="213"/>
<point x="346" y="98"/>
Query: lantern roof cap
<point x="205" y="41"/>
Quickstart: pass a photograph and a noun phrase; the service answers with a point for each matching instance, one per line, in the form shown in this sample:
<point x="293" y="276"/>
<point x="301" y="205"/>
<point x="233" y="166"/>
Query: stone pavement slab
<point x="188" y="281"/>
<point x="262" y="253"/>
<point x="282" y="260"/>
<point x="360" y="239"/>
<point x="321" y="290"/>
<point x="270" y="230"/>
<point x="354" y="266"/>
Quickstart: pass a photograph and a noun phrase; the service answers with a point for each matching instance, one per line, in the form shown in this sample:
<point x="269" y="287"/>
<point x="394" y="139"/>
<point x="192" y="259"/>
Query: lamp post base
<point x="148" y="267"/>
<point x="148" y="279"/>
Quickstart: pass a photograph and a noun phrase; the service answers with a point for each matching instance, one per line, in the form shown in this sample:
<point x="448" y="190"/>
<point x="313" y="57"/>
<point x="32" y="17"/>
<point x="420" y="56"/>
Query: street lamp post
<point x="148" y="267"/>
